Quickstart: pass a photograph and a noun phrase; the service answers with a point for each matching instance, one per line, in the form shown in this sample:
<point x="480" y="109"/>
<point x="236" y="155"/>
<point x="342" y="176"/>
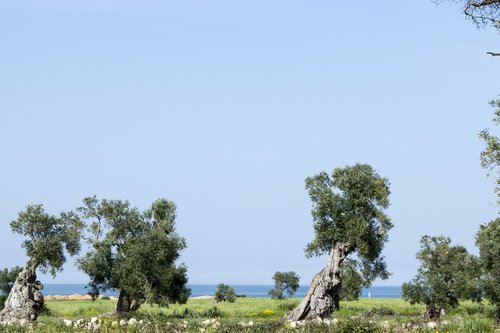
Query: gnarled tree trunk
<point x="323" y="295"/>
<point x="25" y="300"/>
<point x="126" y="303"/>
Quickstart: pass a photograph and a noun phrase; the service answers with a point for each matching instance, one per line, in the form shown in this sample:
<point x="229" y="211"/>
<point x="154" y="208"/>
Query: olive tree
<point x="47" y="240"/>
<point x="285" y="285"/>
<point x="446" y="274"/>
<point x="349" y="220"/>
<point x="133" y="252"/>
<point x="488" y="241"/>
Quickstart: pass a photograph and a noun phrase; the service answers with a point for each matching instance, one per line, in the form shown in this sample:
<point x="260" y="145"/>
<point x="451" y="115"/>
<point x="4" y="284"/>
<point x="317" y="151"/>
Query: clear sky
<point x="226" y="106"/>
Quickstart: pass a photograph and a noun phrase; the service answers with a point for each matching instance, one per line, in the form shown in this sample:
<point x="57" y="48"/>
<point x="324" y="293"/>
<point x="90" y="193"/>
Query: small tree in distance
<point x="224" y="293"/>
<point x="285" y="285"/>
<point x="352" y="281"/>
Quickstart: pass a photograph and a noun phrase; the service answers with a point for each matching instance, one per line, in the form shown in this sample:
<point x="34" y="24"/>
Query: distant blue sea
<point x="259" y="291"/>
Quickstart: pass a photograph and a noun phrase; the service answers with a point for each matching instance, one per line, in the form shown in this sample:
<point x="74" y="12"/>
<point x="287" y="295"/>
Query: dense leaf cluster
<point x="48" y="237"/>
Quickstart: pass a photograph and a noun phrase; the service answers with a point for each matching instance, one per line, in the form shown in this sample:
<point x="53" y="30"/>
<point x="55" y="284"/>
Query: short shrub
<point x="358" y="326"/>
<point x="286" y="306"/>
<point x="378" y="312"/>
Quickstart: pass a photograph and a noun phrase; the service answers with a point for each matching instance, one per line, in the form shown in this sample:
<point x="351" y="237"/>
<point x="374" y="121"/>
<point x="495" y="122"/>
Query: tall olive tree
<point x="47" y="240"/>
<point x="134" y="252"/>
<point x="349" y="219"/>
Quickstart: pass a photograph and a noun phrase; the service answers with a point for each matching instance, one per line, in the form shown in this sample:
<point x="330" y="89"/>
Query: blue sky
<point x="225" y="107"/>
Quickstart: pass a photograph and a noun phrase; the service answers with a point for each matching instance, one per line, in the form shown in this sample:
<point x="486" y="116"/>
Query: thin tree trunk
<point x="323" y="295"/>
<point x="25" y="300"/>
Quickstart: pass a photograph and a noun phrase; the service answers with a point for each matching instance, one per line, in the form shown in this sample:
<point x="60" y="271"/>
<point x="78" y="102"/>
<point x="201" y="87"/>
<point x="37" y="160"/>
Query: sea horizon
<point x="248" y="290"/>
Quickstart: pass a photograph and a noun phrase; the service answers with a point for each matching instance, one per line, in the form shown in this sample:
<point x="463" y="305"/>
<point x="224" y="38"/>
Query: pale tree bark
<point x="25" y="300"/>
<point x="323" y="295"/>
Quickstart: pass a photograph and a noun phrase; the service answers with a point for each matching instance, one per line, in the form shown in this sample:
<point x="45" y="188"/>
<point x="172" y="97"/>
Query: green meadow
<point x="259" y="315"/>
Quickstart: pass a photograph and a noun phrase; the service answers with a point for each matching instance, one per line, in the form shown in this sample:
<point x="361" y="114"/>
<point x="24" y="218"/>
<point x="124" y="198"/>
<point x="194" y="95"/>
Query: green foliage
<point x="134" y="252"/>
<point x="224" y="293"/>
<point x="488" y="241"/>
<point x="352" y="281"/>
<point x="285" y="285"/>
<point x="348" y="208"/>
<point x="7" y="278"/>
<point x="48" y="236"/>
<point x="490" y="156"/>
<point x="446" y="273"/>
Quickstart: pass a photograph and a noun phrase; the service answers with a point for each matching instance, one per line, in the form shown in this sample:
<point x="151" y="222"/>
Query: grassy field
<point x="261" y="315"/>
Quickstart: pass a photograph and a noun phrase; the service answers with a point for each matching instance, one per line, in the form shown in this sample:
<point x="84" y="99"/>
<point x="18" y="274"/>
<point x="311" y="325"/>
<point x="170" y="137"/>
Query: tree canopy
<point x="48" y="237"/>
<point x="134" y="252"/>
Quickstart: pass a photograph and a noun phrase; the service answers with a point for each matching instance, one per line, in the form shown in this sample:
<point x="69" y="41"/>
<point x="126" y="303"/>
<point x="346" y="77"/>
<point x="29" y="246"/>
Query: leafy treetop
<point x="348" y="208"/>
<point x="48" y="236"/>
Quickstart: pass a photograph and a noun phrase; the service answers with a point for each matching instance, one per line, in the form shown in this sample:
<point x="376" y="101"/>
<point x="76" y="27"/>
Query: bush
<point x="224" y="293"/>
<point x="378" y="312"/>
<point x="358" y="326"/>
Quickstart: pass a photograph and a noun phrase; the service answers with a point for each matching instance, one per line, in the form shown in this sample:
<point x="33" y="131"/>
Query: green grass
<point x="360" y="316"/>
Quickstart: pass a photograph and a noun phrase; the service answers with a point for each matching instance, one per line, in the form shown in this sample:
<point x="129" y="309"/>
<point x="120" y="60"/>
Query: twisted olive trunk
<point x="25" y="300"/>
<point x="324" y="294"/>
